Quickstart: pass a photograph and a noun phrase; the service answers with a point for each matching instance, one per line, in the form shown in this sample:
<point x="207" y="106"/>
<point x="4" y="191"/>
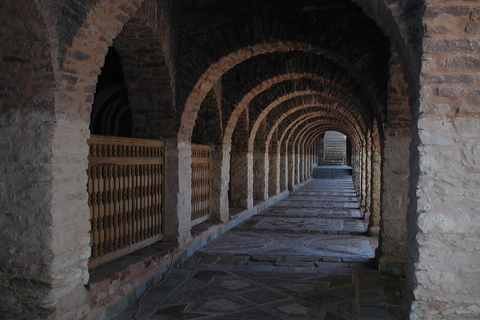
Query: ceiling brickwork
<point x="268" y="50"/>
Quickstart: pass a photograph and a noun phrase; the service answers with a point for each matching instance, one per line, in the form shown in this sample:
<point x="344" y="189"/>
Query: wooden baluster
<point x="106" y="212"/>
<point x="141" y="211"/>
<point x="196" y="188"/>
<point x="148" y="201"/>
<point x="146" y="198"/>
<point x="207" y="170"/>
<point x="121" y="208"/>
<point x="158" y="199"/>
<point x="104" y="151"/>
<point x="116" y="207"/>
<point x="112" y="217"/>
<point x="193" y="189"/>
<point x="130" y="237"/>
<point x="101" y="210"/>
<point x="136" y="207"/>
<point x="141" y="198"/>
<point x="202" y="184"/>
<point x="203" y="189"/>
<point x="93" y="210"/>
<point x="125" y="205"/>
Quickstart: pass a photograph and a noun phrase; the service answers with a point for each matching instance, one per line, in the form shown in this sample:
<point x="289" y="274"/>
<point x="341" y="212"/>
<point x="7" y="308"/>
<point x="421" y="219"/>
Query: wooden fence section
<point x="126" y="195"/>
<point x="200" y="183"/>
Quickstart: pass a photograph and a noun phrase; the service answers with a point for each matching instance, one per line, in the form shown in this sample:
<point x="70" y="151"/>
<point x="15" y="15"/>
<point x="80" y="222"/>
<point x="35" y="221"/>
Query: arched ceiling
<point x="274" y="56"/>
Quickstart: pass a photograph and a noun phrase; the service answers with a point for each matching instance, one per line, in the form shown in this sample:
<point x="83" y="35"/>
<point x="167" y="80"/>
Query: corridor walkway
<point x="306" y="257"/>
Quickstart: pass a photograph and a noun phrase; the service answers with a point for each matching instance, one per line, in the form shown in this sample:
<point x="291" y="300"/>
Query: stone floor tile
<point x="302" y="258"/>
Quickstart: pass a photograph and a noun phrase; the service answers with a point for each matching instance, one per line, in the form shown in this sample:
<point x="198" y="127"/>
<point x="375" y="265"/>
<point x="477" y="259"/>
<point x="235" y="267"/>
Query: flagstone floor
<point x="306" y="257"/>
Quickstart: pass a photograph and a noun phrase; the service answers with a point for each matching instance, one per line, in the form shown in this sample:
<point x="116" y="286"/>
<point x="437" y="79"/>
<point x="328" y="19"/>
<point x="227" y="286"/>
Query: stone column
<point x="297" y="157"/>
<point x="374" y="223"/>
<point x="178" y="190"/>
<point x="363" y="176"/>
<point x="394" y="203"/>
<point x="395" y="172"/>
<point x="241" y="195"/>
<point x="274" y="174"/>
<point x="443" y="218"/>
<point x="321" y="153"/>
<point x="291" y="166"/>
<point x="368" y="174"/>
<point x="260" y="176"/>
<point x="283" y="170"/>
<point x="69" y="226"/>
<point x="220" y="170"/>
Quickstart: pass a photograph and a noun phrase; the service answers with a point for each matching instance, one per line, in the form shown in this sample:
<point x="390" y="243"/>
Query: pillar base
<point x="392" y="266"/>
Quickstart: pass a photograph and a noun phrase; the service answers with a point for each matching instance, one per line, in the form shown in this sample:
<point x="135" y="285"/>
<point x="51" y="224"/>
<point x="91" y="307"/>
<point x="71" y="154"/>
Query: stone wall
<point x="443" y="222"/>
<point x="395" y="172"/>
<point x="52" y="53"/>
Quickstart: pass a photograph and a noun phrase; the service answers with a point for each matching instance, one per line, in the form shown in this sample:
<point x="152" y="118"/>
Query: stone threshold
<point x="127" y="274"/>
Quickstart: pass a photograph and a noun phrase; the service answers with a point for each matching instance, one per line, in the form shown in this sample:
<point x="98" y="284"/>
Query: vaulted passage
<point x="127" y="125"/>
<point x="304" y="257"/>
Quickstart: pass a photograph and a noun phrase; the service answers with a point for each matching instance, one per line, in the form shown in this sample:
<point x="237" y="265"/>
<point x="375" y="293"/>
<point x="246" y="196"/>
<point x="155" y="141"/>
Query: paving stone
<point x="299" y="259"/>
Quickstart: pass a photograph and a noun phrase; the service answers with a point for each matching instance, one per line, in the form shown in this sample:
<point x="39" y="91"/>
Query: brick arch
<point x="288" y="134"/>
<point x="27" y="121"/>
<point x="244" y="103"/>
<point x="217" y="69"/>
<point x="150" y="80"/>
<point x="338" y="123"/>
<point x="404" y="31"/>
<point x="80" y="59"/>
<point x="308" y="96"/>
<point x="344" y="112"/>
<point x="310" y="114"/>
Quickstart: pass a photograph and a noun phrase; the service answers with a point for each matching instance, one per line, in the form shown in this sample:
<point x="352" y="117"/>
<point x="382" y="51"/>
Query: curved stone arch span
<point x="217" y="69"/>
<point x="286" y="138"/>
<point x="289" y="130"/>
<point x="293" y="110"/>
<point x="277" y="102"/>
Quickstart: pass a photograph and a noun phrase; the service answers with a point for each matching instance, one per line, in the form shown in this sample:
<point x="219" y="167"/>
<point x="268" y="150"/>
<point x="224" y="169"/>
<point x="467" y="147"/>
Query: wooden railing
<point x="125" y="189"/>
<point x="200" y="183"/>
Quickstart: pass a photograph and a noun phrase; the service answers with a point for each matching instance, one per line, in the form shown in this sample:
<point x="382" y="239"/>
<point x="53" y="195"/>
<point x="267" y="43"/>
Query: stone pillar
<point x="220" y="170"/>
<point x="394" y="203"/>
<point x="178" y="190"/>
<point x="274" y="174"/>
<point x="443" y="219"/>
<point x="363" y="176"/>
<point x="368" y="173"/>
<point x="241" y="195"/>
<point x="374" y="223"/>
<point x="305" y="161"/>
<point x="395" y="172"/>
<point x="291" y="167"/>
<point x="356" y="170"/>
<point x="297" y="155"/>
<point x="321" y="154"/>
<point x="283" y="170"/>
<point x="260" y="176"/>
<point x="310" y="160"/>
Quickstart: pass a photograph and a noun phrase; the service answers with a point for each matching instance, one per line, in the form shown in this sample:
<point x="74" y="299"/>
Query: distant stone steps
<point x="332" y="172"/>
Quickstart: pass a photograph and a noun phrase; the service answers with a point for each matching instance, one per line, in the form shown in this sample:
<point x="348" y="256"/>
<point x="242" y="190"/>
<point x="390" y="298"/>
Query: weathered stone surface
<point x="269" y="82"/>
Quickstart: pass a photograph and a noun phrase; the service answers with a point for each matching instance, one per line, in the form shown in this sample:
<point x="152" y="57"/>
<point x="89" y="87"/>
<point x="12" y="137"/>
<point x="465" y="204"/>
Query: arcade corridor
<point x="126" y="125"/>
<point x="306" y="257"/>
